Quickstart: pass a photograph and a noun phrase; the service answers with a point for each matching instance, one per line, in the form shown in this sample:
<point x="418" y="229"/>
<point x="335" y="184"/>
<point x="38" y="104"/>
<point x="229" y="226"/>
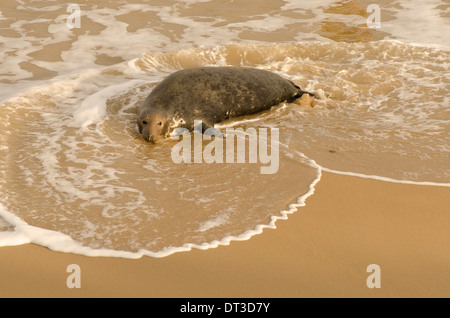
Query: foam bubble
<point x="218" y="221"/>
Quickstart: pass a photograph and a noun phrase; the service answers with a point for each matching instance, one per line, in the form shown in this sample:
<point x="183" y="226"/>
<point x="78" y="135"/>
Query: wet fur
<point x="215" y="94"/>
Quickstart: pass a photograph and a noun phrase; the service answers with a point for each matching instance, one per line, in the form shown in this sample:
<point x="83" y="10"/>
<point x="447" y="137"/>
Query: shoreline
<point x="322" y="250"/>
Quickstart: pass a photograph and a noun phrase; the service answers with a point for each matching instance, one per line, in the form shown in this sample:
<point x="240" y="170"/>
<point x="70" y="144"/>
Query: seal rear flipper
<point x="299" y="93"/>
<point x="305" y="100"/>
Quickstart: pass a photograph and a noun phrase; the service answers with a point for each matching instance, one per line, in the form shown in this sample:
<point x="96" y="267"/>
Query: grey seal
<point x="212" y="95"/>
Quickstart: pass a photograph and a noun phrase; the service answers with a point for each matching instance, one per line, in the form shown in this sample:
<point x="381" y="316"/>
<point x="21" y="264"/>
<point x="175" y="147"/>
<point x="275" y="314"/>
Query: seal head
<point x="153" y="124"/>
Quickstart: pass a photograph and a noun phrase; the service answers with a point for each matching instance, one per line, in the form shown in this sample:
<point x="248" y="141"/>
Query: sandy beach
<point x="322" y="250"/>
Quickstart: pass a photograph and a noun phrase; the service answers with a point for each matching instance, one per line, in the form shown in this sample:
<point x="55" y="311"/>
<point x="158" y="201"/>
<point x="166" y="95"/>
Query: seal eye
<point x="160" y="123"/>
<point x="144" y="122"/>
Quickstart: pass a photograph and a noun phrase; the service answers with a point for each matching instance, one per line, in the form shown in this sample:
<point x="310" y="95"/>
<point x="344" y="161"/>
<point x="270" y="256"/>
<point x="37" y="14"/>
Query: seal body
<point x="212" y="95"/>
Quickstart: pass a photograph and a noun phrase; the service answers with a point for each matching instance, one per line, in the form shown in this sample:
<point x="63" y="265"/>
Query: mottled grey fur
<point x="212" y="94"/>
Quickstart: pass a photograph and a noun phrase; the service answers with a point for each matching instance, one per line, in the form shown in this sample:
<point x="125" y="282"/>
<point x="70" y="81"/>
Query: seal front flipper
<point x="211" y="131"/>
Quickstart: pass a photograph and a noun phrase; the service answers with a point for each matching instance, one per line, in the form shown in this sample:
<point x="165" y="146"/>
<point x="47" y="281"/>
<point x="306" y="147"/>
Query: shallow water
<point x="74" y="176"/>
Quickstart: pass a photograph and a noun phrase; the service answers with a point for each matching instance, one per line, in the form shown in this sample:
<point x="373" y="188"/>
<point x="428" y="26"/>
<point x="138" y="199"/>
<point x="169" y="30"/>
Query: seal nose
<point x="151" y="138"/>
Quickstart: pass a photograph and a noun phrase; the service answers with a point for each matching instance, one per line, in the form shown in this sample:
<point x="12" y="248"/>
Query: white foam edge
<point x="385" y="179"/>
<point x="56" y="241"/>
<point x="24" y="234"/>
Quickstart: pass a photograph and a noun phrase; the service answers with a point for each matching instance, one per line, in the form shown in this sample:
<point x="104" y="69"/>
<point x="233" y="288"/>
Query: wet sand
<point x="322" y="250"/>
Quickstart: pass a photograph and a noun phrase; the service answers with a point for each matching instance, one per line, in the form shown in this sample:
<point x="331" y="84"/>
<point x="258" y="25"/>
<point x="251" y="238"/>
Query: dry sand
<point x="323" y="250"/>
